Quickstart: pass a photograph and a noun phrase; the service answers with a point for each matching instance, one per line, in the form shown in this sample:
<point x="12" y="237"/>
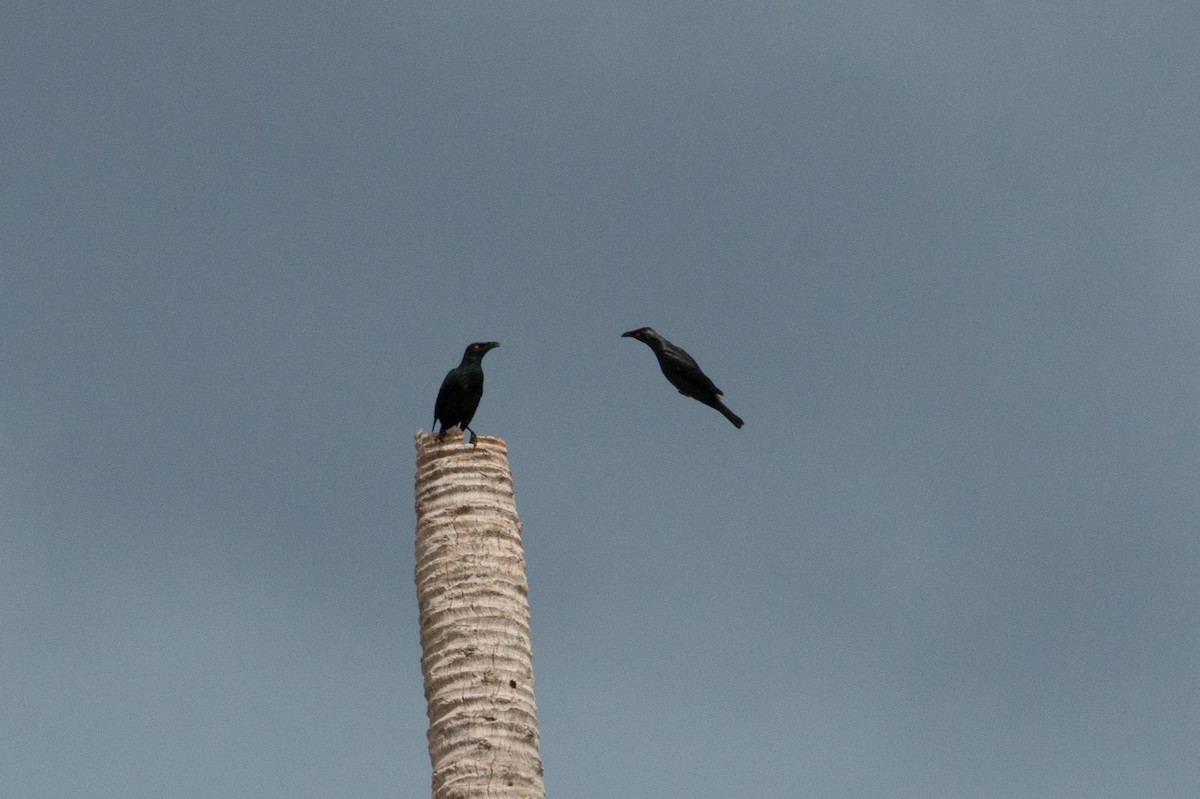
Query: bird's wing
<point x="685" y="374"/>
<point x="448" y="383"/>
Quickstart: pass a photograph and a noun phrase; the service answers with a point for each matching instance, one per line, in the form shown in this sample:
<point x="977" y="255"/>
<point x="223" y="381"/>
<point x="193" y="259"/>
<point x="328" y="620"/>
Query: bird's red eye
<point x="474" y="346"/>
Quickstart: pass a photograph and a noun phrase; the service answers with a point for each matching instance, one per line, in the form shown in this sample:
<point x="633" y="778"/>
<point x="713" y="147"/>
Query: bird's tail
<point x="730" y="415"/>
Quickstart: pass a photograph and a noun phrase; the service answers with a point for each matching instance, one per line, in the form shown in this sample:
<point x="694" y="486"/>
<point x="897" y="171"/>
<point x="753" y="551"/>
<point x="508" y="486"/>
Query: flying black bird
<point x="462" y="389"/>
<point x="683" y="372"/>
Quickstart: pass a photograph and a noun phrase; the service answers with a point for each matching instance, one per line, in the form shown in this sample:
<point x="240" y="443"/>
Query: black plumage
<point x="683" y="372"/>
<point x="459" y="396"/>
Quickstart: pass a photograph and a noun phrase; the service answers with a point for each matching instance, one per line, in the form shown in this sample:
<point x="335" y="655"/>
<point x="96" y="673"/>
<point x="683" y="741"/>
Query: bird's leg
<point x="474" y="438"/>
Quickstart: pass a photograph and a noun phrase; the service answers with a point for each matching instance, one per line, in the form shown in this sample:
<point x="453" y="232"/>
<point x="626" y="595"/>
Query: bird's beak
<point x="628" y="334"/>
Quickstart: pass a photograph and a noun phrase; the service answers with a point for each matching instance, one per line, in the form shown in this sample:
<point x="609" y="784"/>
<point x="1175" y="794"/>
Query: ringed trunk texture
<point x="473" y="598"/>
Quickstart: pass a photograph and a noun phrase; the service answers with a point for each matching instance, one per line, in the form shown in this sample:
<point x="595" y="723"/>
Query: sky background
<point x="945" y="262"/>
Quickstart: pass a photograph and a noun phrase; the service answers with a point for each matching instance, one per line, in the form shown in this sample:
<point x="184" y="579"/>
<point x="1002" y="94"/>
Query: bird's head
<point x="643" y="334"/>
<point x="480" y="348"/>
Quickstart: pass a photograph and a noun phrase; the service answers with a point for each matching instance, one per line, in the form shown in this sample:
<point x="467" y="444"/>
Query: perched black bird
<point x="462" y="389"/>
<point x="683" y="372"/>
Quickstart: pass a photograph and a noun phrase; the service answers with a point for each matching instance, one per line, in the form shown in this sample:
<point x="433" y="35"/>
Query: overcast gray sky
<point x="945" y="263"/>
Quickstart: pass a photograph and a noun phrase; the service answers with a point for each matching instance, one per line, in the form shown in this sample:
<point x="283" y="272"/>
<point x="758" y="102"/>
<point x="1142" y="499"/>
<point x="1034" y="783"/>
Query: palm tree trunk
<point x="473" y="599"/>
